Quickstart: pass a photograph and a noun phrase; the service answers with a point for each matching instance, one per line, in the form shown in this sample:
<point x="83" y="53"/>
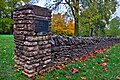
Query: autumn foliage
<point x="60" y="26"/>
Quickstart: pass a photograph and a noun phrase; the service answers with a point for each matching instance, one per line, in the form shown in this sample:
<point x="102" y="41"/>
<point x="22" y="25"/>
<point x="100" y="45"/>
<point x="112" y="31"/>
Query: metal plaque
<point x="41" y="26"/>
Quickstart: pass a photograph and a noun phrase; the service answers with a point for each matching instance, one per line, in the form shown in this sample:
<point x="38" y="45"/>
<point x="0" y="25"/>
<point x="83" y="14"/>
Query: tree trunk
<point x="11" y="28"/>
<point x="76" y="29"/>
<point x="2" y="28"/>
<point x="91" y="33"/>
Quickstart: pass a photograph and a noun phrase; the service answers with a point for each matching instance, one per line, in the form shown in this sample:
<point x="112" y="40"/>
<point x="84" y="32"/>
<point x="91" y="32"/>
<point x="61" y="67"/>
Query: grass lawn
<point x="7" y="71"/>
<point x="105" y="66"/>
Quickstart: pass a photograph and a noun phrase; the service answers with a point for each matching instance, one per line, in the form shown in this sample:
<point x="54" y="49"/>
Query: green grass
<point x="7" y="71"/>
<point x="91" y="69"/>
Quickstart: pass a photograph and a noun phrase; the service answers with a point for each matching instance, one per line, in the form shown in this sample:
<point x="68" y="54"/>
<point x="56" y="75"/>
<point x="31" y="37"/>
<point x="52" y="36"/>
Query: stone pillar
<point x="32" y="51"/>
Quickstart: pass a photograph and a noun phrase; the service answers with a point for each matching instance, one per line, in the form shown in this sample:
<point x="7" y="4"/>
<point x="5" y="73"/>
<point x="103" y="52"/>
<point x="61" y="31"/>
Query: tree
<point x="88" y="18"/>
<point x="104" y="9"/>
<point x="74" y="6"/>
<point x="12" y="4"/>
<point x="70" y="27"/>
<point x="60" y="26"/>
<point x="5" y="20"/>
<point x="96" y="16"/>
<point x="6" y="13"/>
<point x="114" y="27"/>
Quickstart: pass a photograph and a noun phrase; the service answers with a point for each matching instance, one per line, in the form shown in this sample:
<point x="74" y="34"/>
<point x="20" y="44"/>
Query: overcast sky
<point x="43" y="2"/>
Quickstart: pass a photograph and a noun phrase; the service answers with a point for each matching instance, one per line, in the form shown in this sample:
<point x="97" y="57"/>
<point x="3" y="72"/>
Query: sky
<point x="43" y="2"/>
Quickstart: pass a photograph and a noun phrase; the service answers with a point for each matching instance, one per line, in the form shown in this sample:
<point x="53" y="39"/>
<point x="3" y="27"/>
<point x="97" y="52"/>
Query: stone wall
<point x="65" y="49"/>
<point x="37" y="54"/>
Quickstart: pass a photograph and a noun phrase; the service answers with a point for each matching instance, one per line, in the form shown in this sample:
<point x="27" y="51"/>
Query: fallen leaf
<point x="96" y="51"/>
<point x="104" y="69"/>
<point x="92" y="55"/>
<point x="104" y="64"/>
<point x="103" y="58"/>
<point x="63" y="67"/>
<point x="106" y="60"/>
<point x="74" y="70"/>
<point x="76" y="59"/>
<point x="68" y="77"/>
<point x="115" y="68"/>
<point x="117" y="77"/>
<point x="71" y="61"/>
<point x="95" y="77"/>
<point x="83" y="78"/>
<point x="59" y="67"/>
<point x="41" y="76"/>
<point x="83" y="58"/>
<point x="94" y="68"/>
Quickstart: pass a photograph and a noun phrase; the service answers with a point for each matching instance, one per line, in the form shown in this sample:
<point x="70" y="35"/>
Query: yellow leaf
<point x="83" y="78"/>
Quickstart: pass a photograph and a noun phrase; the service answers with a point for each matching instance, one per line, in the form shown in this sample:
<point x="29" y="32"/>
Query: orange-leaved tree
<point x="60" y="26"/>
